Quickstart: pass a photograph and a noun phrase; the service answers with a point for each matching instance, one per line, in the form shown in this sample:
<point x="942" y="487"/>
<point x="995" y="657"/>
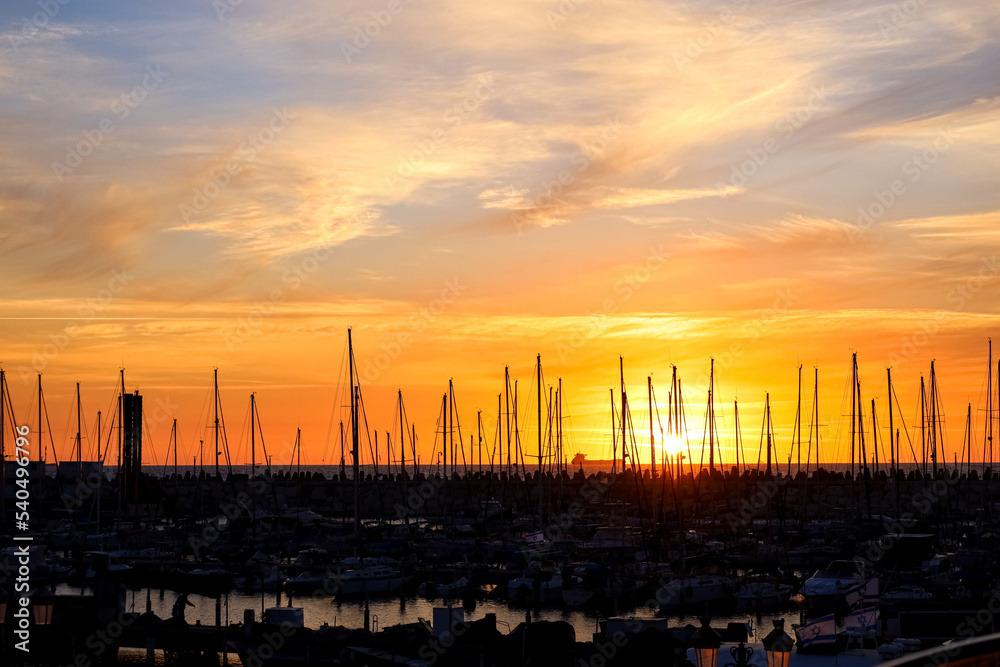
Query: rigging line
<point x="115" y="418"/>
<point x="337" y="401"/>
<point x="244" y="433"/>
<point x="225" y="438"/>
<point x="260" y="432"/>
<point x="149" y="435"/>
<point x="684" y="426"/>
<point x="902" y="420"/>
<point x="368" y="433"/>
<point x="52" y="444"/>
<point x="763" y="428"/>
<point x="9" y="406"/>
<point x="413" y="444"/>
<point x="67" y="433"/>
<point x="439" y="426"/>
<point x="461" y="445"/>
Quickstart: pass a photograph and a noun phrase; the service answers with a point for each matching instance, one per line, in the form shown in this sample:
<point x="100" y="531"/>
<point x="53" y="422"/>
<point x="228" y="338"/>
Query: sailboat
<point x="373" y="577"/>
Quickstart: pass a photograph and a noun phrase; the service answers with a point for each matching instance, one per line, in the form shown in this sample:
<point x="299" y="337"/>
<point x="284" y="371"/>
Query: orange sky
<point x="770" y="185"/>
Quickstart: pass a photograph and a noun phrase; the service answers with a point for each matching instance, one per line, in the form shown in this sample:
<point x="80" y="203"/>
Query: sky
<point x="231" y="185"/>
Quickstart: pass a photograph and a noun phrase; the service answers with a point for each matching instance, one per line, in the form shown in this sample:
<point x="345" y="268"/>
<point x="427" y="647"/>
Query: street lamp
<point x="706" y="644"/>
<point x="778" y="645"/>
<point x="741" y="654"/>
<point x="42" y="604"/>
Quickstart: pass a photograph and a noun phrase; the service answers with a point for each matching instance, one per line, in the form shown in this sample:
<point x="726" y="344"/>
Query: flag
<point x="862" y="618"/>
<point x="822" y="630"/>
<point x="535" y="538"/>
<point x="870" y="591"/>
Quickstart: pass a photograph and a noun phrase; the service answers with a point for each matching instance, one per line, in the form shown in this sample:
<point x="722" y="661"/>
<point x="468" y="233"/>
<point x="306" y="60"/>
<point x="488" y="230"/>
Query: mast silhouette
<point x="798" y="423"/>
<point x="215" y="384"/>
<point x="79" y="440"/>
<point x="933" y="417"/>
<point x="354" y="437"/>
<point x="652" y="442"/>
<point x="711" y="418"/>
<point x="621" y="371"/>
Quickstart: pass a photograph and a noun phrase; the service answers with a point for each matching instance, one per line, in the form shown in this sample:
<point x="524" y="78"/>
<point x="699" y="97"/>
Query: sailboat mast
<point x="711" y="417"/>
<point x="923" y="425"/>
<point x="652" y="443"/>
<point x="968" y="428"/>
<point x="739" y="440"/>
<point x="934" y="452"/>
<point x="621" y="373"/>
<point x="41" y="450"/>
<point x="253" y="444"/>
<point x="989" y="409"/>
<point x="174" y="428"/>
<point x="798" y="422"/>
<point x="499" y="437"/>
<point x="863" y="458"/>
<point x="506" y="380"/>
<point x="894" y="462"/>
<point x="402" y="435"/>
<point x="538" y="361"/>
<point x="215" y="384"/>
<point x="559" y="445"/>
<point x="79" y="440"/>
<point x="875" y="436"/>
<point x="450" y="429"/>
<point x="121" y="426"/>
<point x="343" y="472"/>
<point x="854" y="406"/>
<point x="767" y="428"/>
<point x="816" y="410"/>
<point x="354" y="436"/>
<point x="550" y="419"/>
<point x="614" y="435"/>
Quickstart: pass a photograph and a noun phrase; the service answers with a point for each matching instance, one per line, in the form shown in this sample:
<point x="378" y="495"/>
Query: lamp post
<point x="741" y="654"/>
<point x="3" y="622"/>
<point x="42" y="604"/>
<point x="778" y="645"/>
<point x="706" y="644"/>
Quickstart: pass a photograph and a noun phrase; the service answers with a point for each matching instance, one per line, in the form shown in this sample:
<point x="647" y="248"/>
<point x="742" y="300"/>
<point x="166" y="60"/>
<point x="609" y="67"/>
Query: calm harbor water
<point x="388" y="611"/>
